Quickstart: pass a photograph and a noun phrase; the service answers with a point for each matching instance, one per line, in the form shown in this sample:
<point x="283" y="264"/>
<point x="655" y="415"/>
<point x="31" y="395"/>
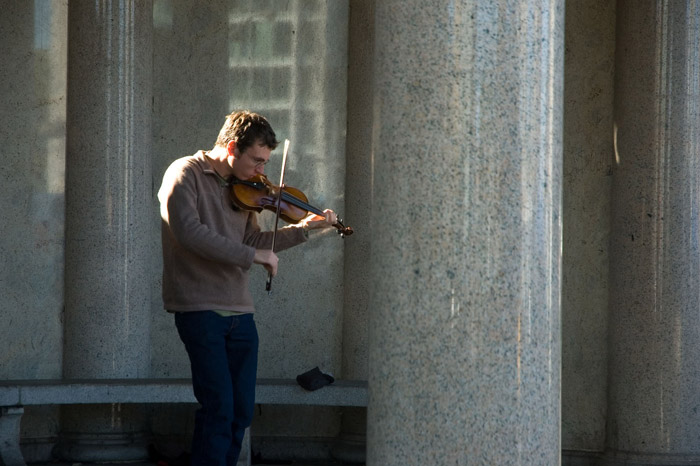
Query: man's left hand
<point x="313" y="221"/>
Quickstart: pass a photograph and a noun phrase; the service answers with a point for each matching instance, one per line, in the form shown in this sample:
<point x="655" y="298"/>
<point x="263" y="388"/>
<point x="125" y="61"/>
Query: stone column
<point x="108" y="219"/>
<point x="653" y="407"/>
<point x="351" y="444"/>
<point x="464" y="358"/>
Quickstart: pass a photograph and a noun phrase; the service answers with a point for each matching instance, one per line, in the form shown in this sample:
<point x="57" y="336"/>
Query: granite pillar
<point x="351" y="445"/>
<point x="108" y="220"/>
<point x="653" y="404"/>
<point x="464" y="355"/>
<point x="587" y="181"/>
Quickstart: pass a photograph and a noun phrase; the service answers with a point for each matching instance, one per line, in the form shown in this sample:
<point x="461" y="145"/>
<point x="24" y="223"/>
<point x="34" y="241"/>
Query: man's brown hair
<point x="246" y="128"/>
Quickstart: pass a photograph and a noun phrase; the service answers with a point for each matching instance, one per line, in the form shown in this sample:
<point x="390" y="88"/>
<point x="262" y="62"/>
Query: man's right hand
<point x="267" y="259"/>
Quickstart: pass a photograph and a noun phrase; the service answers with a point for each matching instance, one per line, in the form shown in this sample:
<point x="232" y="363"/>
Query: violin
<point x="258" y="193"/>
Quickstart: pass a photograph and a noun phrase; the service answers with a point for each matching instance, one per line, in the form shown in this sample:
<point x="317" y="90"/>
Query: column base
<point x="244" y="459"/>
<point x="102" y="447"/>
<point x="624" y="458"/>
<point x="581" y="458"/>
<point x="10" y="419"/>
<point x="350" y="448"/>
<point x="93" y="433"/>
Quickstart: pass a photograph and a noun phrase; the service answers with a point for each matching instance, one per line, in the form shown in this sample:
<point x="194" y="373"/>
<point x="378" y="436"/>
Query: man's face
<point x="250" y="162"/>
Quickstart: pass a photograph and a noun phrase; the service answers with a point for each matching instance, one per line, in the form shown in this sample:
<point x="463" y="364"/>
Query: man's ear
<point x="231" y="149"/>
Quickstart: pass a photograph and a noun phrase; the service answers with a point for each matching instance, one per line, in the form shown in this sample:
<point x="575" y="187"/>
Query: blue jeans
<point x="223" y="355"/>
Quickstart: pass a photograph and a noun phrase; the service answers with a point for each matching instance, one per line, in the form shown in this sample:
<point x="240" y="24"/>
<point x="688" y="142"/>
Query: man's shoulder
<point x="184" y="170"/>
<point x="194" y="160"/>
<point x="189" y="163"/>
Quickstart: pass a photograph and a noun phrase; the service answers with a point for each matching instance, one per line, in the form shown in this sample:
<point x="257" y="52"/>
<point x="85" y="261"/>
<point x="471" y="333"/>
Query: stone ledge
<point x="15" y="394"/>
<point x="267" y="391"/>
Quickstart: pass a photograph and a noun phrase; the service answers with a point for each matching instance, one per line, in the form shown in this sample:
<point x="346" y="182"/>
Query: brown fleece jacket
<point x="208" y="245"/>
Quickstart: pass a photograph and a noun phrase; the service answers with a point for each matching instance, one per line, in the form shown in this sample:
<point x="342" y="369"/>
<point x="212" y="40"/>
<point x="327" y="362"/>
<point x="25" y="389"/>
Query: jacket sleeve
<point x="287" y="236"/>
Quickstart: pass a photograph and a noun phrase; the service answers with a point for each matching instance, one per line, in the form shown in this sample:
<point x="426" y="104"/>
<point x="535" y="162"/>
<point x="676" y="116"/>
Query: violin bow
<point x="268" y="285"/>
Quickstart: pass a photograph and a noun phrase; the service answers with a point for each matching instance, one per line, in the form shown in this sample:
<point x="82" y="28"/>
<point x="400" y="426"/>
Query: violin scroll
<point x="342" y="230"/>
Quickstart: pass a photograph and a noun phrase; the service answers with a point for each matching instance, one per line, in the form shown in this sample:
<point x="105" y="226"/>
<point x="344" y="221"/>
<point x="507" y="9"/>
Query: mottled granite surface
<point x="587" y="182"/>
<point x="108" y="192"/>
<point x="466" y="167"/>
<point x="654" y="411"/>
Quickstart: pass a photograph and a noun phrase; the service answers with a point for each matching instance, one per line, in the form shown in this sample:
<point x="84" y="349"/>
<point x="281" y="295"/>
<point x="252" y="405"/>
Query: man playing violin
<point x="209" y="245"/>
